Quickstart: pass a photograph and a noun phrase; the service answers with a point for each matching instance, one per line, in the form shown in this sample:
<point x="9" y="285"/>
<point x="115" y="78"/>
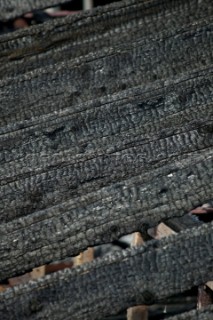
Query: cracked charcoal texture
<point x="105" y="286"/>
<point x="10" y="9"/>
<point x="105" y="128"/>
<point x="90" y="35"/>
<point x="203" y="314"/>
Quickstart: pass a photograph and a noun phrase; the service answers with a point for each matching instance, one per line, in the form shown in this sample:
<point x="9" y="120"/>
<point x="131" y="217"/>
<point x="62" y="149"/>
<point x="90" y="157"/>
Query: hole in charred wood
<point x="123" y="86"/>
<point x="113" y="229"/>
<point x="52" y="134"/>
<point x="103" y="89"/>
<point x="141" y="105"/>
<point x="163" y="190"/>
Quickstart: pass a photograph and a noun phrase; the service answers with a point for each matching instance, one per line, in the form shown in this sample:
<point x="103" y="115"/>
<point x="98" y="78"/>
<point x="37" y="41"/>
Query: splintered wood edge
<point x="137" y="313"/>
<point x="210" y="285"/>
<point x="204" y="298"/>
<point x="83" y="257"/>
<point x="161" y="231"/>
<point x="137" y="239"/>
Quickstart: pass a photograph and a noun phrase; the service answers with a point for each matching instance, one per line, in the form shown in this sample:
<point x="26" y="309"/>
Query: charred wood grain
<point x="141" y="275"/>
<point x="152" y="164"/>
<point x="31" y="95"/>
<point x="92" y="24"/>
<point x="105" y="129"/>
<point x="95" y="149"/>
<point x="89" y="35"/>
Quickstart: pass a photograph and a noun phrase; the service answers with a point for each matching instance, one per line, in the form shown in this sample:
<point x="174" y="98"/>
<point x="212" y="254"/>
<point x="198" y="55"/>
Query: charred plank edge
<point x="106" y="286"/>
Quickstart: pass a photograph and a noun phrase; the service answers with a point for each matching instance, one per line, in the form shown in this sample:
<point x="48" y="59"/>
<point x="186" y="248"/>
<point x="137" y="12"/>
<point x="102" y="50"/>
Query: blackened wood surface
<point x="106" y="128"/>
<point x="141" y="275"/>
<point x="111" y="135"/>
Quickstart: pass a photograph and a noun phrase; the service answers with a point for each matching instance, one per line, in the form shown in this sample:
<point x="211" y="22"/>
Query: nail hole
<point x="113" y="229"/>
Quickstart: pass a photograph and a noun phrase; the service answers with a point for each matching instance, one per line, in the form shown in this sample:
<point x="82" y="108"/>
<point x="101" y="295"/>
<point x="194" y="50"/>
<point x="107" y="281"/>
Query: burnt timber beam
<point x="108" y="144"/>
<point x="140" y="275"/>
<point x="83" y="37"/>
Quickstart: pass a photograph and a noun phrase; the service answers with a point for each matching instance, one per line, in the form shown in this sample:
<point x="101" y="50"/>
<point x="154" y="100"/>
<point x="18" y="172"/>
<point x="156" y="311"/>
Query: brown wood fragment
<point x="160" y="231"/>
<point x="137" y="313"/>
<point x="19" y="280"/>
<point x="88" y="255"/>
<point x="38" y="272"/>
<point x="4" y="287"/>
<point x="137" y="239"/>
<point x="83" y="257"/>
<point x="204" y="297"/>
<point x="78" y="260"/>
<point x="58" y="266"/>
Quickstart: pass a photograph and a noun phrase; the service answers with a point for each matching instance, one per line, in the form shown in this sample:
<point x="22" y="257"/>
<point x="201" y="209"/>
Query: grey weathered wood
<point x="108" y="144"/>
<point x="77" y="84"/>
<point x="141" y="275"/>
<point x="105" y="129"/>
<point x="88" y="35"/>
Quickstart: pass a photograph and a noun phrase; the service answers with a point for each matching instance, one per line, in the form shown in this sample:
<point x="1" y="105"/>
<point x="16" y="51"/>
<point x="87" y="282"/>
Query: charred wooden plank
<point x="89" y="35"/>
<point x="144" y="160"/>
<point x="108" y="144"/>
<point x="141" y="275"/>
<point x="30" y="96"/>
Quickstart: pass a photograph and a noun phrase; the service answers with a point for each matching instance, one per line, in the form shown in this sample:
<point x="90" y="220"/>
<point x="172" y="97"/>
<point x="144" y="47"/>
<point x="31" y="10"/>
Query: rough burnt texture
<point x="10" y="9"/>
<point x="106" y="128"/>
<point x="139" y="275"/>
<point x="147" y="25"/>
<point x="107" y="141"/>
<point x="204" y="314"/>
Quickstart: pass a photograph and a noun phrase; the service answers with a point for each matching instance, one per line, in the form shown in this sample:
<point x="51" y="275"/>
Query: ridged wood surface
<point x="106" y="286"/>
<point x="106" y="128"/>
